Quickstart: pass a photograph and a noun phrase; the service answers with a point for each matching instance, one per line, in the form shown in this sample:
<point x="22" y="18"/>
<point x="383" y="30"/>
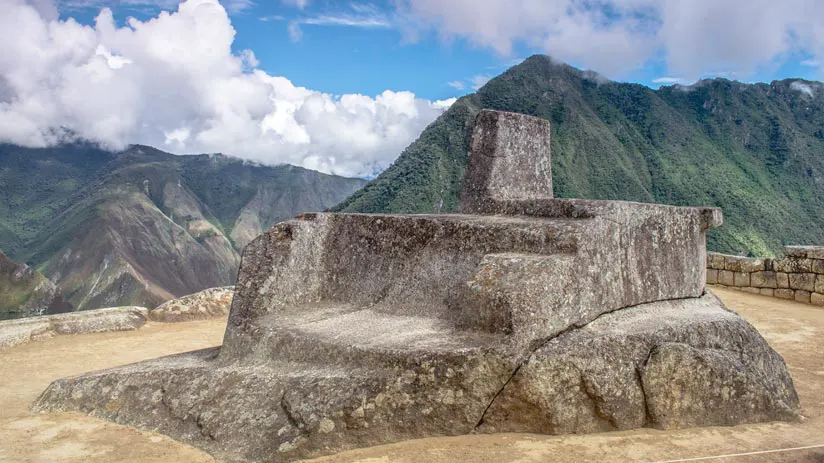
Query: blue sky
<point x="344" y="86"/>
<point x="362" y="47"/>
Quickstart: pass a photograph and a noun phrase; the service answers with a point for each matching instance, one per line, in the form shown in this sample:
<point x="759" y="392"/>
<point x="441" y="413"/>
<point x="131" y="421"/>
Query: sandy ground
<point x="795" y="330"/>
<point x="25" y="371"/>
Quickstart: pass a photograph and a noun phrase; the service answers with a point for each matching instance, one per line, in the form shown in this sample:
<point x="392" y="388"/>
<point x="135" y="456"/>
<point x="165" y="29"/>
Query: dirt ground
<point x="795" y="330"/>
<point x="25" y="371"/>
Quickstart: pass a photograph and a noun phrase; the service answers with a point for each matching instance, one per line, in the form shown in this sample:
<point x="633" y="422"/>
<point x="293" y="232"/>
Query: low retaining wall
<point x="799" y="275"/>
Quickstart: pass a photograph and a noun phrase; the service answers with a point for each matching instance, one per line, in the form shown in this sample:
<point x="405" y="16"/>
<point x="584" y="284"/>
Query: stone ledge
<point x="23" y="330"/>
<point x="203" y="305"/>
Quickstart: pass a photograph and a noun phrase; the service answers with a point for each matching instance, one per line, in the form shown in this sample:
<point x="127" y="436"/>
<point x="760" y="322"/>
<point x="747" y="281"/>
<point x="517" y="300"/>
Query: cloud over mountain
<point x="690" y="38"/>
<point x="174" y="82"/>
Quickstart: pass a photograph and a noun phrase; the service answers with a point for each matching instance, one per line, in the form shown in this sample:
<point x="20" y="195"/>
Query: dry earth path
<point x="794" y="330"/>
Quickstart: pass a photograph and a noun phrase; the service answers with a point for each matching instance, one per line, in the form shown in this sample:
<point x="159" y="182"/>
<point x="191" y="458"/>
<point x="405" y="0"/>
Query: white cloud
<point x="356" y="15"/>
<point x="456" y="84"/>
<point x="668" y="80"/>
<point x="444" y="104"/>
<point x="233" y="6"/>
<point x="803" y="88"/>
<point x="811" y="63"/>
<point x="295" y="32"/>
<point x="296" y="3"/>
<point x="369" y="21"/>
<point x="237" y="6"/>
<point x="479" y="81"/>
<point x="173" y="82"/>
<point x="567" y="29"/>
<point x="618" y="36"/>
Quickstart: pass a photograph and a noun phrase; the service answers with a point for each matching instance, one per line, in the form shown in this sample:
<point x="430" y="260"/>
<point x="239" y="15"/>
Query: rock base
<point x="669" y="364"/>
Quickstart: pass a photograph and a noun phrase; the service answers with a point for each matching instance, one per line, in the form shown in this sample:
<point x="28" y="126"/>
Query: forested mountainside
<point x="755" y="150"/>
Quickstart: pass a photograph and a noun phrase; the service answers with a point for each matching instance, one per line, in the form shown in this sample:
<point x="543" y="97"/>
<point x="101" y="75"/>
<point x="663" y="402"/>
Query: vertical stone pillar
<point x="509" y="159"/>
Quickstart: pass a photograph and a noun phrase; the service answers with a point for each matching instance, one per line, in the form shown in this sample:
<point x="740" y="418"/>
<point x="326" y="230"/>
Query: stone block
<point x="802" y="296"/>
<point x="509" y="160"/>
<point x="733" y="263"/>
<point x="819" y="284"/>
<point x="785" y="265"/>
<point x="716" y="261"/>
<point x="795" y="251"/>
<point x="751" y="265"/>
<point x="782" y="280"/>
<point x="726" y="278"/>
<point x="803" y="281"/>
<point x="817" y="298"/>
<point x="751" y="290"/>
<point x="793" y="265"/>
<point x="764" y="279"/>
<point x="741" y="279"/>
<point x="815" y="252"/>
<point x="712" y="277"/>
<point x="766" y="292"/>
<point x="782" y="293"/>
<point x="818" y="266"/>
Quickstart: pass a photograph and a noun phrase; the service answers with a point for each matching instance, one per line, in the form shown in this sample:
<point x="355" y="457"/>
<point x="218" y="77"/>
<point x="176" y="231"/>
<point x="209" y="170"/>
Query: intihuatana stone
<point x="530" y="314"/>
<point x="507" y="146"/>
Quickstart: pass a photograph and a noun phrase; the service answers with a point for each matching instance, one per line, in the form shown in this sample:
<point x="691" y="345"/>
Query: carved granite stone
<point x="529" y="314"/>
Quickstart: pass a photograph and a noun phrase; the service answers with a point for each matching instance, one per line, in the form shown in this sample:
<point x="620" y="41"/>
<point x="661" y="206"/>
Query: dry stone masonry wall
<point x="799" y="275"/>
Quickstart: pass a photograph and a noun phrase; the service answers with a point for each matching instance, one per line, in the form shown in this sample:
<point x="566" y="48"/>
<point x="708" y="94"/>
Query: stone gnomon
<point x="522" y="313"/>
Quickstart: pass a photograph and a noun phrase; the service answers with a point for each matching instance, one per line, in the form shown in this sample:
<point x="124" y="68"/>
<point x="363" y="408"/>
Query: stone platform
<point x="523" y="313"/>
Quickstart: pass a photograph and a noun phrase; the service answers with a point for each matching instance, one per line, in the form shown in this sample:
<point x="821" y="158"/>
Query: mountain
<point x="143" y="226"/>
<point x="755" y="150"/>
<point x="27" y="292"/>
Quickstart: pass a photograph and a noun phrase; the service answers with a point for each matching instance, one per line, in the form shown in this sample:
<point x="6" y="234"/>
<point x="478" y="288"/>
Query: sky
<point x="344" y="86"/>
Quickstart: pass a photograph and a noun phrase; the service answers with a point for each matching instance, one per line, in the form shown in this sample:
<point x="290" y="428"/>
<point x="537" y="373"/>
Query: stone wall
<point x="799" y="275"/>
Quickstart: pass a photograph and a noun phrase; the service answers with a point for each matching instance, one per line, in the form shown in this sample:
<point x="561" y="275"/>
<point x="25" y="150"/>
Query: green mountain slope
<point x="756" y="150"/>
<point x="143" y="226"/>
<point x="27" y="292"/>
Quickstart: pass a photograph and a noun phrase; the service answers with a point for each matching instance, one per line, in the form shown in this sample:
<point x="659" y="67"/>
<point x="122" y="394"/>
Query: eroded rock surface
<point x="540" y="315"/>
<point x="209" y="303"/>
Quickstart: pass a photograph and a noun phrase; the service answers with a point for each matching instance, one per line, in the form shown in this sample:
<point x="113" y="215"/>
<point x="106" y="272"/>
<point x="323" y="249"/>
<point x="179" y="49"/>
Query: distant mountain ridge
<point x="142" y="226"/>
<point x="755" y="150"/>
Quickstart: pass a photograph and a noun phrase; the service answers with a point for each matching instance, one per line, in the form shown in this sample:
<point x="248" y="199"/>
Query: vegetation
<point x="757" y="151"/>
